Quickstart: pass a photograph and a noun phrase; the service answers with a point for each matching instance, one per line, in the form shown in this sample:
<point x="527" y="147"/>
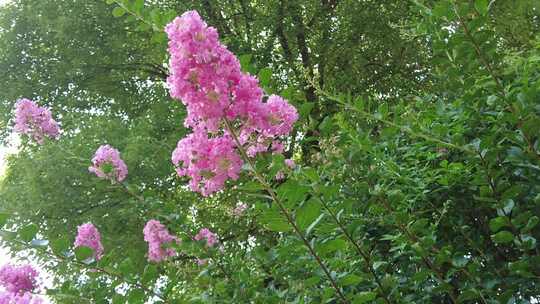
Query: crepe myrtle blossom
<point x="280" y="116"/>
<point x="208" y="79"/>
<point x="107" y="164"/>
<point x="157" y="235"/>
<point x="240" y="209"/>
<point x="88" y="236"/>
<point x="290" y="163"/>
<point x="210" y="237"/>
<point x="209" y="162"/>
<point x="18" y="279"/>
<point x="204" y="73"/>
<point x="35" y="121"/>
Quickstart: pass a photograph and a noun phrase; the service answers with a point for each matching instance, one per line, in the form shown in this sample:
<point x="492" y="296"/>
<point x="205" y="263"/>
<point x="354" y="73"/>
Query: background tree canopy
<point x="418" y="151"/>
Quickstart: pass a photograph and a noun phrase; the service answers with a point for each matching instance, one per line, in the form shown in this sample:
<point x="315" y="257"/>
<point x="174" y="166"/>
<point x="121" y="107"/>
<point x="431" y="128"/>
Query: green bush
<point x="417" y="152"/>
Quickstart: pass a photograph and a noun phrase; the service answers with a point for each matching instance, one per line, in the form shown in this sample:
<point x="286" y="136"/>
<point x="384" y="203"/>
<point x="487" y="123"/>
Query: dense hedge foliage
<point x="417" y="152"/>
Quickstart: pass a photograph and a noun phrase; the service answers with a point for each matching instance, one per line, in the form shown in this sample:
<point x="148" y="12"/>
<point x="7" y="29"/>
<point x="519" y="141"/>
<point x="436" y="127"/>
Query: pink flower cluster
<point x="19" y="282"/>
<point x="290" y="163"/>
<point x="205" y="234"/>
<point x="88" y="236"/>
<point x="156" y="234"/>
<point x="240" y="209"/>
<point x="35" y="121"/>
<point x="18" y="279"/>
<point x="208" y="79"/>
<point x="107" y="163"/>
<point x="208" y="161"/>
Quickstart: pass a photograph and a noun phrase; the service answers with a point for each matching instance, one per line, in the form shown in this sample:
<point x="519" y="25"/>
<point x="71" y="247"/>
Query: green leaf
<point x="3" y="219"/>
<point x="278" y="162"/>
<point x="83" y="253"/>
<point x="481" y="6"/>
<point x="265" y="75"/>
<point x="468" y="295"/>
<point x="118" y="11"/>
<point x="306" y="214"/>
<point x="126" y="267"/>
<point x="251" y="186"/>
<point x="497" y="223"/>
<point x="509" y="206"/>
<point x="138" y="6"/>
<point x="305" y="109"/>
<point x="136" y="296"/>
<point x="312" y="281"/>
<point x="118" y="299"/>
<point x="333" y="245"/>
<point x="150" y="273"/>
<point x="420" y="276"/>
<point x="327" y="126"/>
<point x="350" y="279"/>
<point x="274" y="221"/>
<point x="159" y="37"/>
<point x="522" y="268"/>
<point x="528" y="242"/>
<point x="531" y="223"/>
<point x="245" y="61"/>
<point x="378" y="264"/>
<point x="442" y="9"/>
<point x="311" y="174"/>
<point x="60" y="246"/>
<point x="292" y="192"/>
<point x="27" y="233"/>
<point x="502" y="237"/>
<point x="364" y="297"/>
<point x="278" y="225"/>
<point x="315" y="223"/>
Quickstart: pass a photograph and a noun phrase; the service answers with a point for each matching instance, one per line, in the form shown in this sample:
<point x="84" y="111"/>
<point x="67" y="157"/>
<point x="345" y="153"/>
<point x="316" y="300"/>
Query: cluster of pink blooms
<point x="19" y="283"/>
<point x="205" y="234"/>
<point x="107" y="163"/>
<point x="18" y="278"/>
<point x="208" y="79"/>
<point x="88" y="236"/>
<point x="290" y="163"/>
<point x="208" y="161"/>
<point x="157" y="235"/>
<point x="35" y="121"/>
<point x="211" y="240"/>
<point x="239" y="209"/>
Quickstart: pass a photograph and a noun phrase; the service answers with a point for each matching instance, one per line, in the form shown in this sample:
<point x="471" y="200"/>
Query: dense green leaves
<point x="417" y="152"/>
